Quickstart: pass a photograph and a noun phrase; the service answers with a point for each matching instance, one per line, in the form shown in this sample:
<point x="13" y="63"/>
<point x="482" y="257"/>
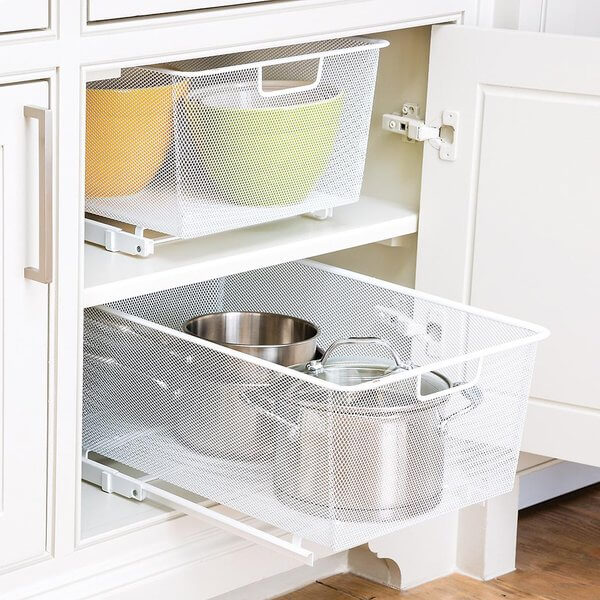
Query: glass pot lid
<point x="353" y="371"/>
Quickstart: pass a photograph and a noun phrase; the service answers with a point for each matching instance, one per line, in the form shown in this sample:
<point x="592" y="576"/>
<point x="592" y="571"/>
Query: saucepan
<point x="215" y="418"/>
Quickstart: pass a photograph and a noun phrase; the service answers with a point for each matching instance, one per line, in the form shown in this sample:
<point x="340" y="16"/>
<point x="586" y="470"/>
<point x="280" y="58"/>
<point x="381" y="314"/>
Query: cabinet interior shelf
<point x="114" y="276"/>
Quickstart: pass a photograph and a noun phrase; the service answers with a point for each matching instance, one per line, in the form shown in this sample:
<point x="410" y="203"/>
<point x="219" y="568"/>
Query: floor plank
<point x="558" y="558"/>
<point x="359" y="588"/>
<point x="318" y="591"/>
<point x="460" y="587"/>
<point x="548" y="586"/>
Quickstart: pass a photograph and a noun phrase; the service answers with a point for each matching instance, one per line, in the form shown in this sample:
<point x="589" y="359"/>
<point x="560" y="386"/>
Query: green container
<point x="264" y="150"/>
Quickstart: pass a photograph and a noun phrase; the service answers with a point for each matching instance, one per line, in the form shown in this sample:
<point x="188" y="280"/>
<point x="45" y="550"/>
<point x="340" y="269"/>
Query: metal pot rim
<point x="383" y="411"/>
<point x="234" y="345"/>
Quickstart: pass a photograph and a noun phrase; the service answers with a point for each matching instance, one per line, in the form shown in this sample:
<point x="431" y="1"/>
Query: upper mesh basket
<point x="196" y="147"/>
<point x="335" y="464"/>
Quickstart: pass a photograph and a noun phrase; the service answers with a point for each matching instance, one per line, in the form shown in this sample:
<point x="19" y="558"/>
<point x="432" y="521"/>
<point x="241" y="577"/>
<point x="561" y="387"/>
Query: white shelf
<point x="103" y="513"/>
<point x="113" y="276"/>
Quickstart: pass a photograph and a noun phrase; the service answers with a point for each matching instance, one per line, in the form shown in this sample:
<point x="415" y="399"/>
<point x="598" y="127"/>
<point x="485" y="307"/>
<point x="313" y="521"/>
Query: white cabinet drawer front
<point x="100" y="10"/>
<point x="24" y="325"/>
<point x="24" y="15"/>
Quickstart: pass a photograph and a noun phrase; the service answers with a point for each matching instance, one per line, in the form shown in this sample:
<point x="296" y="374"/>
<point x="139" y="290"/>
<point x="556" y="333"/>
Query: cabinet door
<point x="512" y="224"/>
<point x="23" y="15"/>
<point x="24" y="327"/>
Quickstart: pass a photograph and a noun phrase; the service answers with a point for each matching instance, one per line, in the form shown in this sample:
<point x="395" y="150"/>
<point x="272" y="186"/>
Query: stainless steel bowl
<point x="277" y="338"/>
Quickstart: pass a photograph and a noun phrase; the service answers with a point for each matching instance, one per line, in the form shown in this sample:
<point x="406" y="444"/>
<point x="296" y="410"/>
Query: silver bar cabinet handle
<point x="43" y="273"/>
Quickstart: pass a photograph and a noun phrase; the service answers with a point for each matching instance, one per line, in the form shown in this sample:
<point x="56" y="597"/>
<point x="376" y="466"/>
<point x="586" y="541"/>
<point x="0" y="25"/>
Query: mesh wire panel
<point x="338" y="465"/>
<point x="201" y="146"/>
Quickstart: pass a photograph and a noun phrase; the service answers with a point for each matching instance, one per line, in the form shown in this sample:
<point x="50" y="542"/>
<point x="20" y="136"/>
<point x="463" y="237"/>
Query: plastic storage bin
<point x="333" y="463"/>
<point x="201" y="146"/>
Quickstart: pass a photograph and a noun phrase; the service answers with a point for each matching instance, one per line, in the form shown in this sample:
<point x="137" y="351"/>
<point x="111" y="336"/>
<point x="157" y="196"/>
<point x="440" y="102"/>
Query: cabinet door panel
<point x="24" y="328"/>
<point x="536" y="250"/>
<point x="23" y="15"/>
<point x="511" y="225"/>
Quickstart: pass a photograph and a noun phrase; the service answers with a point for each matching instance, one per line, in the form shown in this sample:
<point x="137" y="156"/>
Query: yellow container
<point x="128" y="132"/>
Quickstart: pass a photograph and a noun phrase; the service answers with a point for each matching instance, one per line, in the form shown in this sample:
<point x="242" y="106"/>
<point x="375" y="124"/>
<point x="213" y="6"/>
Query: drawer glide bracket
<point x="116" y="239"/>
<point x="140" y="488"/>
<point x="409" y="124"/>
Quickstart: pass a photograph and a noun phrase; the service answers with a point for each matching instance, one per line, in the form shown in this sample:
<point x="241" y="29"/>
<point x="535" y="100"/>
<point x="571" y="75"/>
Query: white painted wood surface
<point x="516" y="231"/>
<point x="487" y="533"/>
<point x="175" y="557"/>
<point x="422" y="552"/>
<point x="112" y="276"/>
<point x="103" y="513"/>
<point x="117" y="9"/>
<point x="23" y="15"/>
<point x="554" y="479"/>
<point x="562" y="431"/>
<point x="163" y="11"/>
<point x="572" y="17"/>
<point x="536" y="251"/>
<point x="24" y="326"/>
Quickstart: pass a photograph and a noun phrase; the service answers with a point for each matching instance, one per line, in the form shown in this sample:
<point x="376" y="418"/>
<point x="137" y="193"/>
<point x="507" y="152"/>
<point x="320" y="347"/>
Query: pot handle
<point x="473" y="394"/>
<point x="316" y="366"/>
<point x="457" y="387"/>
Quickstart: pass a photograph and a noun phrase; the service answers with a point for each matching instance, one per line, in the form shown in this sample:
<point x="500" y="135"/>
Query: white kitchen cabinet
<point x="123" y="547"/>
<point x="461" y="251"/>
<point x="23" y="16"/>
<point x="24" y="325"/>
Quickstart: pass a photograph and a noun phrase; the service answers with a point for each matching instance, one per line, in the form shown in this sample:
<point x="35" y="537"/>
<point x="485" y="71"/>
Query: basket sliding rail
<point x="113" y="481"/>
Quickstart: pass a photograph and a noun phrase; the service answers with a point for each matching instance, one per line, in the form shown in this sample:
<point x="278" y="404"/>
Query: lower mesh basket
<point x="335" y="464"/>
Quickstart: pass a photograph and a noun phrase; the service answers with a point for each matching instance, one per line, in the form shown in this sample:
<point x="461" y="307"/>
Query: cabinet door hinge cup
<point x="408" y="124"/>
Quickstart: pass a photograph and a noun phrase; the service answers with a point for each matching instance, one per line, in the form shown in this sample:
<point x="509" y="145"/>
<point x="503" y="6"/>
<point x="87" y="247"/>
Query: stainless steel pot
<point x="217" y="419"/>
<point x="377" y="457"/>
<point x="277" y="338"/>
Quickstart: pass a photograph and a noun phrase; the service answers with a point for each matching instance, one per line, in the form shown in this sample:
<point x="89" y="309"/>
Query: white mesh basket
<point x="201" y="146"/>
<point x="338" y="465"/>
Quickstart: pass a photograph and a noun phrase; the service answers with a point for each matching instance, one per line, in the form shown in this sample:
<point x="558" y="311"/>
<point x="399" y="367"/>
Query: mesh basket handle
<point x="292" y="89"/>
<point x="459" y="387"/>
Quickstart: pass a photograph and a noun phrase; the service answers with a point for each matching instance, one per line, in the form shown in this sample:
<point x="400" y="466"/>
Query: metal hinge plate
<point x="409" y="124"/>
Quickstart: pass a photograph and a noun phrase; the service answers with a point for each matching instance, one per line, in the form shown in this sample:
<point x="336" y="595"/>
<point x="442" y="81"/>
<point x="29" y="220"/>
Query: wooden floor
<point x="558" y="558"/>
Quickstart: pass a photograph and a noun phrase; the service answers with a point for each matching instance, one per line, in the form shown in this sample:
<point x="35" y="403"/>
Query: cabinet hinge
<point x="409" y="124"/>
